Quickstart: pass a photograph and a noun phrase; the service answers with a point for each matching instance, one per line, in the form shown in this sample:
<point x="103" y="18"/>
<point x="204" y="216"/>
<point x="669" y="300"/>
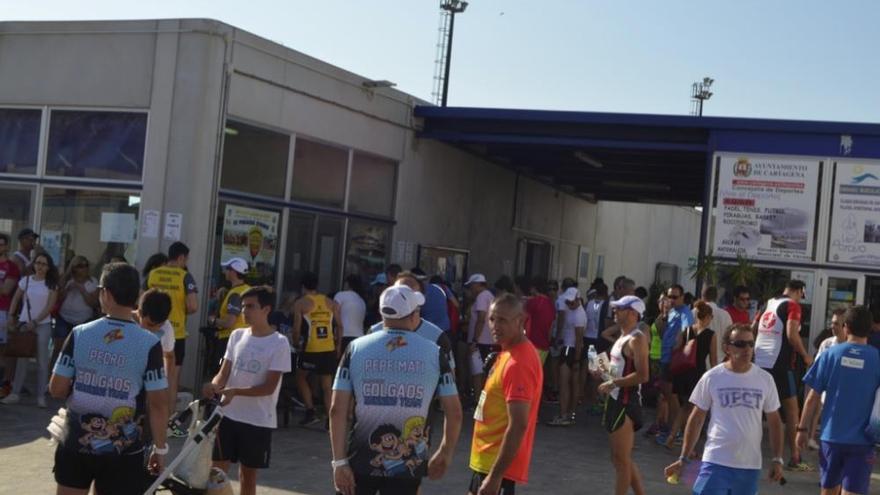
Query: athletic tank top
<point x="772" y="348"/>
<point x="224" y="333"/>
<point x="319" y="321"/>
<point x="169" y="279"/>
<point x="621" y="365"/>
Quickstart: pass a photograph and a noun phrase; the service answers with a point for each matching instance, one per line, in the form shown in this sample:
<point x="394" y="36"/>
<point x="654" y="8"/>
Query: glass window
<point x="328" y="253"/>
<point x="319" y="173"/>
<point x="96" y="145"/>
<point x="366" y="249"/>
<point x="372" y="185"/>
<point x="15" y="211"/>
<point x="19" y="140"/>
<point x="254" y="160"/>
<point x="99" y="225"/>
<point x="298" y="257"/>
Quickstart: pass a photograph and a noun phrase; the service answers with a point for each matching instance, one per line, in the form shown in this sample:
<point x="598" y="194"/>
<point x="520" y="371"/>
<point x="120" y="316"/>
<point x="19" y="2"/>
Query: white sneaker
<point x="41" y="402"/>
<point x="11" y="399"/>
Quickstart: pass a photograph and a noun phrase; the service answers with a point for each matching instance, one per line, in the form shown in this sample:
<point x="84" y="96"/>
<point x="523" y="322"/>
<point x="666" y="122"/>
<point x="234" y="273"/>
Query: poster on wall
<point x="766" y="208"/>
<point x="251" y="234"/>
<point x="367" y="250"/>
<point x="855" y="215"/>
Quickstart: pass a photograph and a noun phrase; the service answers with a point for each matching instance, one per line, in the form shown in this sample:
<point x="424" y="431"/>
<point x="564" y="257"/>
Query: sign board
<point x="855" y="215"/>
<point x="251" y="234"/>
<point x="766" y="208"/>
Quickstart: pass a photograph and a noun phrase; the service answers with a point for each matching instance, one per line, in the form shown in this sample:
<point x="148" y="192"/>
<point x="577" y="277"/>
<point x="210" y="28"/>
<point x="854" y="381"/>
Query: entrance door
<point x="872" y="292"/>
<point x="834" y="290"/>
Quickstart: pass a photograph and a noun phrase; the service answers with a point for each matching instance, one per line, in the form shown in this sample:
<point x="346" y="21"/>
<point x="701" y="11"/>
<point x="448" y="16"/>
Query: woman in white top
<point x="352" y="309"/>
<point x="37" y="293"/>
<point x="78" y="291"/>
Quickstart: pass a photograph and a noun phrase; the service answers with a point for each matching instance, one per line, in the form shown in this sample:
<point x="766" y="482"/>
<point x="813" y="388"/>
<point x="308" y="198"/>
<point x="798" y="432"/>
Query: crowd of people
<point x="383" y="366"/>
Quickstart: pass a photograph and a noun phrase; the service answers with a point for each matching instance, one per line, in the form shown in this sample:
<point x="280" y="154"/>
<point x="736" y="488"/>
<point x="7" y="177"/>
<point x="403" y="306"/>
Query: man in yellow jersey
<point x="229" y="316"/>
<point x="173" y="279"/>
<point x="314" y="315"/>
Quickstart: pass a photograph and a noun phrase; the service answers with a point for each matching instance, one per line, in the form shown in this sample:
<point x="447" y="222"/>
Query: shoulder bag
<point x="21" y="343"/>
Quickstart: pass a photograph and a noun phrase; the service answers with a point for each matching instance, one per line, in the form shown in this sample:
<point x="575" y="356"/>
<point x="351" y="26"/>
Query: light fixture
<point x="640" y="186"/>
<point x="379" y="83"/>
<point x="589" y="160"/>
<point x="230" y="131"/>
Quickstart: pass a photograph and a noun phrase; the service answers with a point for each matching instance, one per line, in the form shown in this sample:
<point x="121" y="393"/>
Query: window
<point x="372" y="185"/>
<point x="534" y="258"/>
<point x="15" y="211"/>
<point x="254" y="160"/>
<point x="19" y="140"/>
<point x="96" y="224"/>
<point x="96" y="145"/>
<point x="600" y="266"/>
<point x="366" y="249"/>
<point x="298" y="257"/>
<point x="319" y="173"/>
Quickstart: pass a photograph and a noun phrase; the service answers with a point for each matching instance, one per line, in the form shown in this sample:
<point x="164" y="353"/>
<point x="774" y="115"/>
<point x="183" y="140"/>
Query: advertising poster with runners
<point x="251" y="234"/>
<point x="855" y="215"/>
<point x="766" y="207"/>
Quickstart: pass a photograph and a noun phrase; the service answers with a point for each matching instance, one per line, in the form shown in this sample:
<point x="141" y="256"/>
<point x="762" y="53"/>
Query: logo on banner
<point x="859" y="175"/>
<point x="742" y="168"/>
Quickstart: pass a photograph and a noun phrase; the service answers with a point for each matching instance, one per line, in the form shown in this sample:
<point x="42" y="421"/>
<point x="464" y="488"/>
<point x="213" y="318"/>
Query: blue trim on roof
<point x="634" y="119"/>
<point x="484" y="138"/>
<point x="812" y="144"/>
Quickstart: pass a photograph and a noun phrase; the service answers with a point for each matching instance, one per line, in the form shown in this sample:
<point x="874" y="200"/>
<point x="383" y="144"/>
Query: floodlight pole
<point x="453" y="7"/>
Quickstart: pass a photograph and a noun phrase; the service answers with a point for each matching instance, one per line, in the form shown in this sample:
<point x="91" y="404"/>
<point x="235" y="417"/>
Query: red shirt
<point x="541" y="311"/>
<point x="8" y="270"/>
<point x="738" y="315"/>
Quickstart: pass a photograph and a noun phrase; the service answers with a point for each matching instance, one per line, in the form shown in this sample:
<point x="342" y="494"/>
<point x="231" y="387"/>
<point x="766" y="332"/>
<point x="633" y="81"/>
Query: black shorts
<point x="568" y="356"/>
<point x="249" y="445"/>
<point x="786" y="386"/>
<point x="179" y="351"/>
<point x="112" y="474"/>
<point x="508" y="487"/>
<point x="371" y="485"/>
<point x="322" y="363"/>
<point x="615" y="411"/>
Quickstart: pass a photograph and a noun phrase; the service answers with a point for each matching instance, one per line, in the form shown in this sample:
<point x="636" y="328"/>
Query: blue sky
<point x="806" y="59"/>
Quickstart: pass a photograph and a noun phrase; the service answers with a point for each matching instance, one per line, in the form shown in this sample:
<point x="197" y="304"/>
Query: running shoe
<point x="812" y="444"/>
<point x="310" y="418"/>
<point x="560" y="421"/>
<point x="653" y="431"/>
<point x="11" y="399"/>
<point x="799" y="466"/>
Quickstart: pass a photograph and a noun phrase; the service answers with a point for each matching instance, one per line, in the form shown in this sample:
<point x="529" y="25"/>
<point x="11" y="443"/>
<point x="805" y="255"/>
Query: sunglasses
<point x="673" y="297"/>
<point x="742" y="344"/>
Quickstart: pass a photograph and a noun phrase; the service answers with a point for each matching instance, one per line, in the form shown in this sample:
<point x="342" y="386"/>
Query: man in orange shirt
<point x="505" y="418"/>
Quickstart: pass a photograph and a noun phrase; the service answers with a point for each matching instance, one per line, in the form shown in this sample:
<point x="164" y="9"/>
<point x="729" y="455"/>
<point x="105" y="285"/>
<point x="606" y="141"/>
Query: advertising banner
<point x="766" y="208"/>
<point x="251" y="234"/>
<point x="855" y="215"/>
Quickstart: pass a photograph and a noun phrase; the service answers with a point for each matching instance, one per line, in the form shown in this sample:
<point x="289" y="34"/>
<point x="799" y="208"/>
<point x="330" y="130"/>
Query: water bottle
<point x="592" y="358"/>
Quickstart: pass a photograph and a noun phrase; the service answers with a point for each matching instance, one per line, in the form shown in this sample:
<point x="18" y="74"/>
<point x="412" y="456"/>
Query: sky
<point x="788" y="59"/>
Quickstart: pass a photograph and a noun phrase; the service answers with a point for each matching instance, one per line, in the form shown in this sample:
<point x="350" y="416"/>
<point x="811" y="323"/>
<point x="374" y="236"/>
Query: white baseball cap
<point x="477" y="278"/>
<point x="399" y="301"/>
<point x="570" y="294"/>
<point x="237" y="264"/>
<point x="630" y="302"/>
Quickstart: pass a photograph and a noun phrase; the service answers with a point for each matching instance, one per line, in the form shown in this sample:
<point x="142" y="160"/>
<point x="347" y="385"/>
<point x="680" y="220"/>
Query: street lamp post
<point x="701" y="93"/>
<point x="453" y="7"/>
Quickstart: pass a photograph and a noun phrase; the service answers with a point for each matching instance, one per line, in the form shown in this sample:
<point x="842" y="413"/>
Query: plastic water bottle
<point x="592" y="358"/>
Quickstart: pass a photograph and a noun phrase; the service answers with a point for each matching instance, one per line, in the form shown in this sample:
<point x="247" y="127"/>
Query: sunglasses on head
<point x="742" y="344"/>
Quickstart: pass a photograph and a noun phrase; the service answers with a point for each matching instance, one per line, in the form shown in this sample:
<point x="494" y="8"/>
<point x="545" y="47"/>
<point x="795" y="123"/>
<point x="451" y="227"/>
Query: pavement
<point x="571" y="460"/>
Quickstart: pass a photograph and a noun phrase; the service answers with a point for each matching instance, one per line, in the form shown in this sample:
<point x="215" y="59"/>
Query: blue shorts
<point x="715" y="479"/>
<point x="847" y="464"/>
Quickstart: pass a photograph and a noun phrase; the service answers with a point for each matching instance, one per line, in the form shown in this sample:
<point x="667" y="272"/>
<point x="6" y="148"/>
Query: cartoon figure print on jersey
<point x="110" y="436"/>
<point x="395" y="455"/>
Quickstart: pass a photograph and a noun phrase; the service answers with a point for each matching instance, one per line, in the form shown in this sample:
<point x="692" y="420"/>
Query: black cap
<point x="27" y="231"/>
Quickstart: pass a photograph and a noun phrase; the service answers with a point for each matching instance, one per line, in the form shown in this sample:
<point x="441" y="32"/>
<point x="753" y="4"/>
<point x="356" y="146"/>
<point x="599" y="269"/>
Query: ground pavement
<point x="570" y="460"/>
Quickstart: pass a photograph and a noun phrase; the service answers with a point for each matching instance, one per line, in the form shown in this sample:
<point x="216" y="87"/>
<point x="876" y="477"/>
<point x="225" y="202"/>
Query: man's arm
<point x="452" y="419"/>
<point x="9" y="286"/>
<point x="296" y="331"/>
<point x="774" y="426"/>
<point x="518" y="424"/>
<point x="61" y="382"/>
<point x="611" y="333"/>
<point x="168" y="361"/>
<point x="478" y="329"/>
<point x="157" y="411"/>
<point x="343" y="476"/>
<point x="792" y="331"/>
<point x="192" y="303"/>
<point x="266" y="388"/>
<point x="811" y="405"/>
<point x="692" y="431"/>
<point x="218" y="383"/>
<point x="340" y="330"/>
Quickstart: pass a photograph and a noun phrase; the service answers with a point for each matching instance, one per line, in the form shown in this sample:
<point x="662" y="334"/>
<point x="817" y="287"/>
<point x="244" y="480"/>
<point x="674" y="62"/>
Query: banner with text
<point x="855" y="215"/>
<point x="766" y="208"/>
<point x="251" y="234"/>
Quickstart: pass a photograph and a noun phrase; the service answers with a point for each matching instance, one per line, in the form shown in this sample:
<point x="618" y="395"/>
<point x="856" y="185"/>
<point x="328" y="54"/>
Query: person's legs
<point x="73" y="473"/>
<point x="565" y="389"/>
<point x="678" y="424"/>
<point x="627" y="473"/>
<point x="44" y="333"/>
<point x="20" y="374"/>
<point x="857" y="466"/>
<point x="327" y="390"/>
<point x="247" y="480"/>
<point x="790" y="410"/>
<point x="670" y="398"/>
<point x="302" y="385"/>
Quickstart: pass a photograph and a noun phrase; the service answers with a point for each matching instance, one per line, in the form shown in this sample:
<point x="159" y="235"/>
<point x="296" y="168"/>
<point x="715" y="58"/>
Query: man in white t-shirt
<point x="720" y="317"/>
<point x="248" y="381"/>
<point x="572" y="338"/>
<point x="479" y="335"/>
<point x="737" y="392"/>
<point x="352" y="309"/>
<point x="153" y="311"/>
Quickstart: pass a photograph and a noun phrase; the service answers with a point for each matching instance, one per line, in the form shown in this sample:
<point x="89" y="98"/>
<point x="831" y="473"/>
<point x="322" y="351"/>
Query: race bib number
<point x="478" y="412"/>
<point x="322" y="332"/>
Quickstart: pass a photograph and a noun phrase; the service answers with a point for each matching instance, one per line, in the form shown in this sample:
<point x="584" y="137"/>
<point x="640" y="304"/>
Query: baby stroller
<point x="190" y="473"/>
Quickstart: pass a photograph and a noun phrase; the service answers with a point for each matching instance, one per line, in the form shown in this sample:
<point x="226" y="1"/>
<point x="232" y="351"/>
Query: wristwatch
<point x="162" y="451"/>
<point x="339" y="463"/>
<point x="683" y="459"/>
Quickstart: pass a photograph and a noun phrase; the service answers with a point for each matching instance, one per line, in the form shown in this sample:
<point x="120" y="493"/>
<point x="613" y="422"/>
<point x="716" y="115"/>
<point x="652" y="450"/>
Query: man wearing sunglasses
<point x="677" y="319"/>
<point x="776" y="347"/>
<point x="737" y="393"/>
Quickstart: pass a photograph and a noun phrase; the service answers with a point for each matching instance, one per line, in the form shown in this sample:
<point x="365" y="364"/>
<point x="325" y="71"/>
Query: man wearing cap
<point x="628" y="362"/>
<point x="479" y="335"/>
<point x="229" y="315"/>
<point x="572" y="338"/>
<point x="27" y="239"/>
<point x="435" y="309"/>
<point x="392" y="376"/>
